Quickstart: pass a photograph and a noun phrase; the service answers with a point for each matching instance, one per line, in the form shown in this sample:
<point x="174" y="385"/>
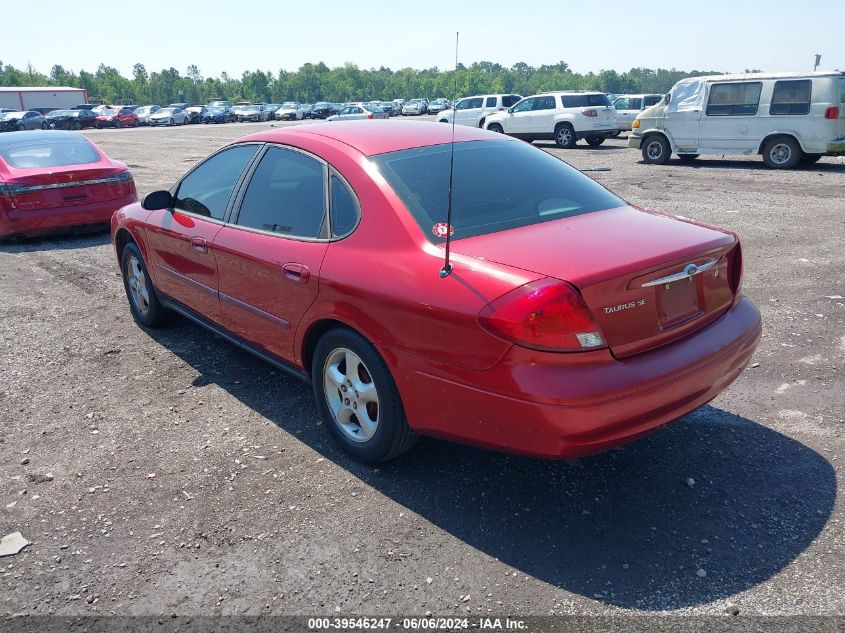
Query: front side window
<point x="734" y="99"/>
<point x="622" y="103"/>
<point x="207" y="189"/>
<point x="286" y="195"/>
<point x="525" y="105"/>
<point x="791" y="97"/>
<point x="496" y="186"/>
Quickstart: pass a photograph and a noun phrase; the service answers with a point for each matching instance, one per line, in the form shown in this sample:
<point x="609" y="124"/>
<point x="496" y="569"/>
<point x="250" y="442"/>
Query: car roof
<point x="378" y="136"/>
<point x="760" y="76"/>
<point x="14" y="138"/>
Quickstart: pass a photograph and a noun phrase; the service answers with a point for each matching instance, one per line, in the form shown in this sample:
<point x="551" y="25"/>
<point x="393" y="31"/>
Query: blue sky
<point x="233" y="35"/>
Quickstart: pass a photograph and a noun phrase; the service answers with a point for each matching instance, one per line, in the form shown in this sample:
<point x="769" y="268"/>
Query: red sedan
<point x="570" y="321"/>
<point x="124" y="117"/>
<point x="54" y="180"/>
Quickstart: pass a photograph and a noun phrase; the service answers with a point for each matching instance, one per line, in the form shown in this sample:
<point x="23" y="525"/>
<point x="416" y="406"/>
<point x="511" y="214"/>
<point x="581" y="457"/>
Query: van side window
<point x="791" y="97"/>
<point x="734" y="99"/>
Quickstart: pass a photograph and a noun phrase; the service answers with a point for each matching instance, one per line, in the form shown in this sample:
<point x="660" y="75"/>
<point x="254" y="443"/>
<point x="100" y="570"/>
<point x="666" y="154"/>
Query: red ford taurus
<point x="571" y="321"/>
<point x="56" y="180"/>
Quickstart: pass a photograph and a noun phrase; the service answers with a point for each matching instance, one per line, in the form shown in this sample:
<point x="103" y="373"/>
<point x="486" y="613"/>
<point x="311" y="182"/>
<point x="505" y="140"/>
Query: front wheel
<point x="143" y="302"/>
<point x="782" y="153"/>
<point x="565" y="136"/>
<point x="595" y="141"/>
<point x="656" y="150"/>
<point x="358" y="399"/>
<point x="495" y="127"/>
<point x="171" y="122"/>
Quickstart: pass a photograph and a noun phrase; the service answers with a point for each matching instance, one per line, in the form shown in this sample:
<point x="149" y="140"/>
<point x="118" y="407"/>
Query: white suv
<point x="473" y="111"/>
<point x="563" y="117"/>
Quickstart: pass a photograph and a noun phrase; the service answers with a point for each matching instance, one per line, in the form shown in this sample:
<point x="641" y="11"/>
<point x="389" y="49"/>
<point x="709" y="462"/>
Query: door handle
<point x="199" y="244"/>
<point x="297" y="273"/>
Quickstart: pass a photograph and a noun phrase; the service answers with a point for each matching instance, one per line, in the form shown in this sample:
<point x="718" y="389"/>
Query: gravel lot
<point x="167" y="472"/>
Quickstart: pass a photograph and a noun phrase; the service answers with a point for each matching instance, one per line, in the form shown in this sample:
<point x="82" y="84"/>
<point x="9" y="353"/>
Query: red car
<point x="124" y="117"/>
<point x="570" y="321"/>
<point x="53" y="180"/>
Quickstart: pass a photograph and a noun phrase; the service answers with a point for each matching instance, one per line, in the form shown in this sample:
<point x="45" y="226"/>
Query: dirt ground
<point x="168" y="472"/>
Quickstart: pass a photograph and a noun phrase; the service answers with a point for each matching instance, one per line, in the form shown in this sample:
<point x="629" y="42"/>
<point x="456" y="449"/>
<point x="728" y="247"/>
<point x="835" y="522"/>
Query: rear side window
<point x="476" y="103"/>
<point x="573" y="101"/>
<point x="597" y="100"/>
<point x="344" y="208"/>
<point x="37" y="154"/>
<point x="491" y="102"/>
<point x="497" y="185"/>
<point x="286" y="195"/>
<point x="544" y="103"/>
<point x="650" y="100"/>
<point x="509" y="100"/>
<point x="734" y="99"/>
<point x="636" y="104"/>
<point x="791" y="97"/>
<point x="207" y="189"/>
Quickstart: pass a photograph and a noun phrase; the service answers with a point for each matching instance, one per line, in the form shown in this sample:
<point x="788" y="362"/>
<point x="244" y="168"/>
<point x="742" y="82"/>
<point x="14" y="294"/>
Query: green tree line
<point x="318" y="82"/>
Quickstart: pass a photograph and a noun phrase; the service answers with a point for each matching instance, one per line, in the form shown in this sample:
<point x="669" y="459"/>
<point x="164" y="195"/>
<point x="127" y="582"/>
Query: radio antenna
<point x="447" y="265"/>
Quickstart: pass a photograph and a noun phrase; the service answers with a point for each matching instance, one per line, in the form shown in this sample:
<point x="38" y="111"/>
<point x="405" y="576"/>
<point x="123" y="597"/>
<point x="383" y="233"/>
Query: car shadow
<point x="706" y="508"/>
<point x="86" y="237"/>
<point x="748" y="165"/>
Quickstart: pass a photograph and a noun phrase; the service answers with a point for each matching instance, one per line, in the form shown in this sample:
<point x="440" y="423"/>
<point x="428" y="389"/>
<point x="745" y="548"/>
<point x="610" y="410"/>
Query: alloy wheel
<point x="351" y="394"/>
<point x="137" y="281"/>
<point x="780" y="153"/>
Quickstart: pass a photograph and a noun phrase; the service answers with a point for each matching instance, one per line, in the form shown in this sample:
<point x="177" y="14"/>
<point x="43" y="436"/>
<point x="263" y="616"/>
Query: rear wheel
<point x="495" y="127"/>
<point x="565" y="136"/>
<point x="782" y="152"/>
<point x="143" y="302"/>
<point x="77" y="125"/>
<point x="358" y="399"/>
<point x="656" y="150"/>
<point x="595" y="141"/>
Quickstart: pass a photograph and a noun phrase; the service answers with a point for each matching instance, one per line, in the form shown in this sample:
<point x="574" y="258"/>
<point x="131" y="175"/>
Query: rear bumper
<point x="17" y="222"/>
<point x="836" y="147"/>
<point x="599" y="132"/>
<point x="563" y="405"/>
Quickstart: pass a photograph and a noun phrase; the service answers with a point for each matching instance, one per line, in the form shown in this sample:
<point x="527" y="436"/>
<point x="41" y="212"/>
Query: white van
<point x="789" y="118"/>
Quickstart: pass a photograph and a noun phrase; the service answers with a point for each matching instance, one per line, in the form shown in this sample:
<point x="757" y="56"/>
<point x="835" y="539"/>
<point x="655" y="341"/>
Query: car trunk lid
<point x="632" y="268"/>
<point x="70" y="186"/>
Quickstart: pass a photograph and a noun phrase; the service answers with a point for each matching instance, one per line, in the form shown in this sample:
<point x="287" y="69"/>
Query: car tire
<point x="782" y="152"/>
<point x="688" y="158"/>
<point x="384" y="433"/>
<point x="565" y="136"/>
<point x="77" y="125"/>
<point x="615" y="134"/>
<point x="140" y="292"/>
<point x="482" y="122"/>
<point x="595" y="141"/>
<point x="21" y="127"/>
<point x="497" y="128"/>
<point x="810" y="159"/>
<point x="656" y="150"/>
<point x="171" y="123"/>
<point x="45" y="126"/>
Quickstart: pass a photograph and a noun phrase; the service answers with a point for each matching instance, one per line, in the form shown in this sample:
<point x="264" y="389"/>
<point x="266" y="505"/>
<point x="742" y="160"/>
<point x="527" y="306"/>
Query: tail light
<point x="501" y="109"/>
<point x="736" y="270"/>
<point x="547" y="315"/>
<point x="369" y="116"/>
<point x="7" y="197"/>
<point x="590" y="113"/>
<point x="831" y="113"/>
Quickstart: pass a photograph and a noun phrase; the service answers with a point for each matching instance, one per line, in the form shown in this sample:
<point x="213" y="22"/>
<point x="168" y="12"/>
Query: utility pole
<point x="818" y="61"/>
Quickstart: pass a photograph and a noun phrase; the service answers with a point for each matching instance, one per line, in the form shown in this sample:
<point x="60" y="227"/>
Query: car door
<point x="683" y="113"/>
<point x="542" y="117"/>
<point x="518" y="121"/>
<point x="269" y="256"/>
<point x="179" y="239"/>
<point x="625" y="111"/>
<point x="30" y="120"/>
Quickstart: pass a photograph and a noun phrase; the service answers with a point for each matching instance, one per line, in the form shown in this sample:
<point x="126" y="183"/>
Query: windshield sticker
<point x="441" y="229"/>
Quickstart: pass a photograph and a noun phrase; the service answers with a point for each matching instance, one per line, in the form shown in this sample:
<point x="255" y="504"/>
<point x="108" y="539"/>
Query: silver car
<point x="145" y="112"/>
<point x="351" y="113"/>
<point x="414" y="107"/>
<point x="169" y="116"/>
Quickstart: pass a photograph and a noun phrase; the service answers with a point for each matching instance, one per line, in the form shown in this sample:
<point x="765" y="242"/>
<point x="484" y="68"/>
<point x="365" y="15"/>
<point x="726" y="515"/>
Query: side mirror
<point x="157" y="200"/>
<point x="667" y="98"/>
<point x="510" y="110"/>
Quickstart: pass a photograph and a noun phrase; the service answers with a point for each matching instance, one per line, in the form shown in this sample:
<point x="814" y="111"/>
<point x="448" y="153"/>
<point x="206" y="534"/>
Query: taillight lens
<point x="7" y="197"/>
<point x="736" y="270"/>
<point x="369" y="116"/>
<point x="831" y="113"/>
<point x="547" y="315"/>
<point x="590" y="113"/>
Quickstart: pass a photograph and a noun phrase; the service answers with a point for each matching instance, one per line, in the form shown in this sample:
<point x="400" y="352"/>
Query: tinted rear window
<point x="497" y="185"/>
<point x="49" y="154"/>
<point x="509" y="100"/>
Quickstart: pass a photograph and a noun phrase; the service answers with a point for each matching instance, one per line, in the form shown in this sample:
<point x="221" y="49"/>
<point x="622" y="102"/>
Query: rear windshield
<point x="496" y="186"/>
<point x="52" y="153"/>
